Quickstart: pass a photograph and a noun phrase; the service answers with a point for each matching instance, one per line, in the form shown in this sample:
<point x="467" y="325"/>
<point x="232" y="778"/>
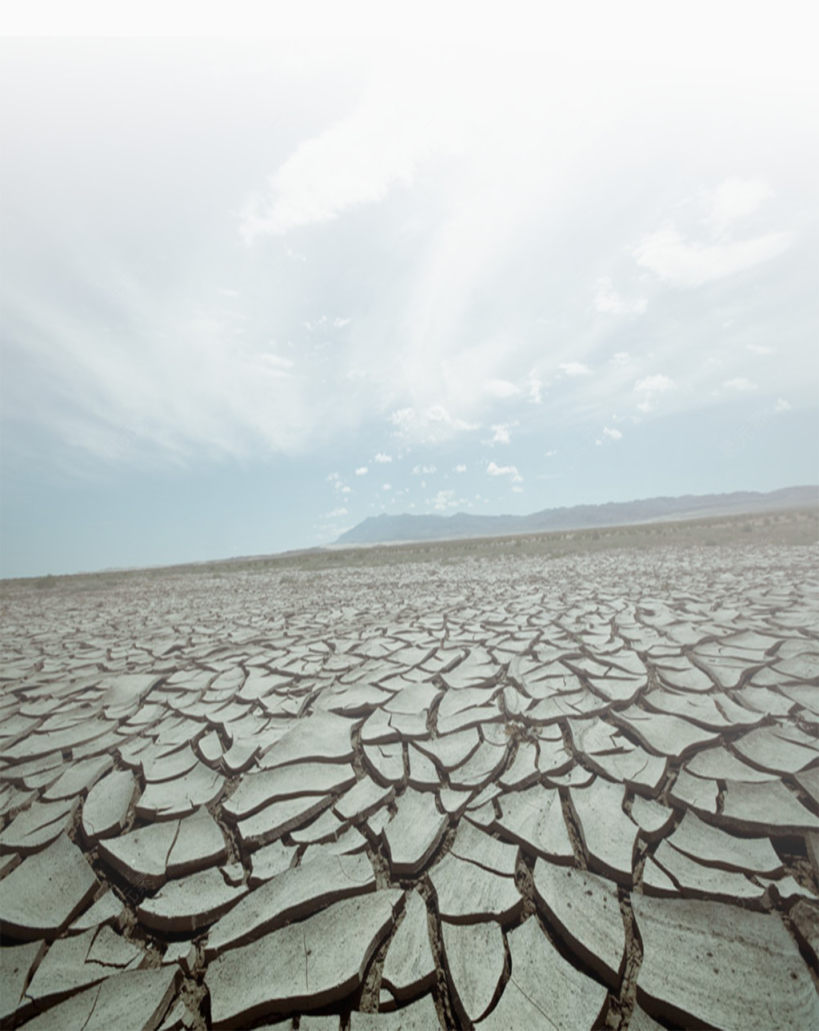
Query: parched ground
<point x="505" y="787"/>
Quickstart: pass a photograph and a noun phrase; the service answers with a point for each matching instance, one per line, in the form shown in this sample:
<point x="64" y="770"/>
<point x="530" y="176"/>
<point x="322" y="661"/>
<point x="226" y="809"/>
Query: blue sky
<point x="255" y="291"/>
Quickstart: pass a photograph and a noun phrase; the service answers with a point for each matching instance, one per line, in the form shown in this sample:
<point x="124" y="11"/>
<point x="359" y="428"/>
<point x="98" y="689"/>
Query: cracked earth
<point x="501" y="792"/>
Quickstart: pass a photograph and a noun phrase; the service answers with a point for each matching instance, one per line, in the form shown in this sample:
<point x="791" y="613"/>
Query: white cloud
<point x="760" y="349"/>
<point x="338" y="484"/>
<point x="402" y="121"/>
<point x="424" y="470"/>
<point x="649" y="388"/>
<point x="551" y="454"/>
<point x="336" y="512"/>
<point x="357" y="375"/>
<point x="500" y="433"/>
<point x="277" y="361"/>
<point x="362" y="470"/>
<point x="682" y="264"/>
<point x="535" y="389"/>
<point x="735" y="199"/>
<point x="356" y="161"/>
<point x="657" y="384"/>
<point x="607" y="299"/>
<point x="446" y="328"/>
<point x="612" y="433"/>
<point x="444" y="499"/>
<point x="620" y="358"/>
<point x="500" y="388"/>
<point x="574" y="369"/>
<point x="782" y="405"/>
<point x="687" y="263"/>
<point x="504" y="470"/>
<point x="741" y="385"/>
<point x="460" y="468"/>
<point x="517" y="490"/>
<point x="311" y="325"/>
<point x="381" y="458"/>
<point x="386" y="486"/>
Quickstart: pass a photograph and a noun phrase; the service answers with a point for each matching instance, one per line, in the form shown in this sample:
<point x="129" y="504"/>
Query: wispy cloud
<point x="649" y="389"/>
<point x="735" y="199"/>
<point x="357" y="161"/>
<point x="656" y="384"/>
<point x="500" y="388"/>
<point x="534" y="388"/>
<point x="428" y="426"/>
<point x="607" y="299"/>
<point x="381" y="458"/>
<point x="277" y="363"/>
<point x="574" y="369"/>
<point x="687" y="263"/>
<point x="682" y="263"/>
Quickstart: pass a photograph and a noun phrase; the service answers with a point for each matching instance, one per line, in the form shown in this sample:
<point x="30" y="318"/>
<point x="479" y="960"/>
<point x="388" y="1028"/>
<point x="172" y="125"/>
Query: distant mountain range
<point x="384" y="529"/>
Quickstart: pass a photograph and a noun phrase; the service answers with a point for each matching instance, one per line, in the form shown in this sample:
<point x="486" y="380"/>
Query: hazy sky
<point x="252" y="292"/>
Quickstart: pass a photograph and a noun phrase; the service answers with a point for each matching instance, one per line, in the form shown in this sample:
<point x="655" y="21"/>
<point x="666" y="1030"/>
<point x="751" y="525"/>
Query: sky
<point x="255" y="289"/>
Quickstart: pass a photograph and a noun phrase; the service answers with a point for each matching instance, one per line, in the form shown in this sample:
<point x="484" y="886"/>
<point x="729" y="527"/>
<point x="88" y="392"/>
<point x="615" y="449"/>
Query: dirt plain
<point x="563" y="780"/>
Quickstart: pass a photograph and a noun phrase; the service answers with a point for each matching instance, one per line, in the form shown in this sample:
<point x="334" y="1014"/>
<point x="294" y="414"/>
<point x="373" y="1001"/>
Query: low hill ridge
<point x="384" y="528"/>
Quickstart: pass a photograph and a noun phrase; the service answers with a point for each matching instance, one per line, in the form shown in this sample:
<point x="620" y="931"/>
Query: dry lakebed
<point x="487" y="784"/>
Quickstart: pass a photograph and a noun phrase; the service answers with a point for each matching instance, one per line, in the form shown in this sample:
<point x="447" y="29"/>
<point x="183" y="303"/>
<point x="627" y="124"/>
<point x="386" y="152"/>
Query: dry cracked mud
<point x="500" y="792"/>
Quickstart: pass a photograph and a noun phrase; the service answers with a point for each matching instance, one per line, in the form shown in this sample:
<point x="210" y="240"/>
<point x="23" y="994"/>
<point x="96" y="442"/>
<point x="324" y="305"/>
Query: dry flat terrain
<point x="559" y="782"/>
